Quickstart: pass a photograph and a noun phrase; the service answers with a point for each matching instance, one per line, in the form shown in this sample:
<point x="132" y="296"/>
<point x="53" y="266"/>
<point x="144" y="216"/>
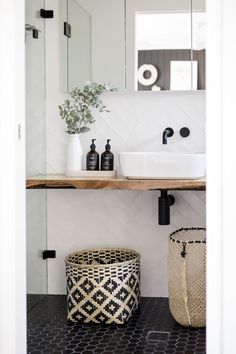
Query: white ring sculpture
<point x="153" y="74"/>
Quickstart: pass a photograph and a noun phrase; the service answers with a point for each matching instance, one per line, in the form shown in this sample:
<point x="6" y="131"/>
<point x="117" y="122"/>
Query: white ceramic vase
<point x="74" y="155"/>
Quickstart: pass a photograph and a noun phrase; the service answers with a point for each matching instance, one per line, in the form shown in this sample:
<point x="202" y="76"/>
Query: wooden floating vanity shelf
<point x="63" y="182"/>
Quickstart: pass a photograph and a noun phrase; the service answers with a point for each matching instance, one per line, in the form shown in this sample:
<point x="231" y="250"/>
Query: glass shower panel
<point x="35" y="149"/>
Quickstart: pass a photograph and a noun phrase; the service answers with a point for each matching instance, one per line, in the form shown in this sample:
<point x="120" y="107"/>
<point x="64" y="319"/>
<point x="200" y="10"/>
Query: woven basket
<point x="187" y="276"/>
<point x="103" y="285"/>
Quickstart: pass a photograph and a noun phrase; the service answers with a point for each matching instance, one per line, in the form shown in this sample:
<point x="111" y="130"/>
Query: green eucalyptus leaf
<point x="84" y="129"/>
<point x="77" y="112"/>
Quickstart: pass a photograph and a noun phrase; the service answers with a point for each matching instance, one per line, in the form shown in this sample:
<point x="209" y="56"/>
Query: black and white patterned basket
<point x="103" y="285"/>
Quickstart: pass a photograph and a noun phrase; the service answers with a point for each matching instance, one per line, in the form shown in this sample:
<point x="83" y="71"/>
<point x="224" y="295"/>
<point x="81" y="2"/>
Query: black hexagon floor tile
<point x="50" y="333"/>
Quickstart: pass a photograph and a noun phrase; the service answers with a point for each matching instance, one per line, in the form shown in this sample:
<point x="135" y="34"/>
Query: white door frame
<point x="221" y="194"/>
<point x="214" y="177"/>
<point x="12" y="179"/>
<point x="221" y="191"/>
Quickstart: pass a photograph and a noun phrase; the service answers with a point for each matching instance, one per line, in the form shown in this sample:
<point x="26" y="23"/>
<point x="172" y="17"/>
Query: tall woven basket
<point x="103" y="285"/>
<point x="187" y="276"/>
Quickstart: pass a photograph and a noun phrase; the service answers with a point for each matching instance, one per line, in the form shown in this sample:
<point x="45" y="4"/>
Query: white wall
<point x="81" y="219"/>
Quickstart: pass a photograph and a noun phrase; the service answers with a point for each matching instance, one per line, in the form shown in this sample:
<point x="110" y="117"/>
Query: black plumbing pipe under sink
<point x="164" y="203"/>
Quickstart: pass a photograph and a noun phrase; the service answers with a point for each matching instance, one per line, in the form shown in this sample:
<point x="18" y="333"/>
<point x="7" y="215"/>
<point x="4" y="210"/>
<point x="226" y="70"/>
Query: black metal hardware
<point x="67" y="29"/>
<point x="49" y="254"/>
<point x="35" y="33"/>
<point x="184" y="132"/>
<point x="164" y="203"/>
<point x="46" y="13"/>
<point x="167" y="133"/>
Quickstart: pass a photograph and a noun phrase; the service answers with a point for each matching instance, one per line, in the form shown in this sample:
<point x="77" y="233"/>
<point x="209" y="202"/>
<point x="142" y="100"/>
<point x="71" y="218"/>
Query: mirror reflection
<point x="143" y="45"/>
<point x="96" y="47"/>
<point x="175" y="60"/>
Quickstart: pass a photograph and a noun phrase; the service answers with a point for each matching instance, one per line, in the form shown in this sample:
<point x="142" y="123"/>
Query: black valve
<point x="184" y="132"/>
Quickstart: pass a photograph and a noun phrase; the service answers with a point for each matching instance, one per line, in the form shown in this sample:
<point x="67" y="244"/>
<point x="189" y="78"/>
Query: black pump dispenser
<point x="108" y="146"/>
<point x="107" y="158"/>
<point x="92" y="158"/>
<point x="93" y="146"/>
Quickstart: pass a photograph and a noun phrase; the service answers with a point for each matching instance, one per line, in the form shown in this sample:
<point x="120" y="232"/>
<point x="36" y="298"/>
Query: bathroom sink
<point x="162" y="165"/>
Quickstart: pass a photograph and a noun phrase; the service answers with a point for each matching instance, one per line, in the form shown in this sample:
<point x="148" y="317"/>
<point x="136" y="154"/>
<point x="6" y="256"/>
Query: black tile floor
<point x="33" y="300"/>
<point x="49" y="332"/>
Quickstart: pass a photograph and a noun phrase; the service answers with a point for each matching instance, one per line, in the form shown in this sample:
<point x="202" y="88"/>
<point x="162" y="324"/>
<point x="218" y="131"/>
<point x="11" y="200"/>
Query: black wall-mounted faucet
<point x="167" y="133"/>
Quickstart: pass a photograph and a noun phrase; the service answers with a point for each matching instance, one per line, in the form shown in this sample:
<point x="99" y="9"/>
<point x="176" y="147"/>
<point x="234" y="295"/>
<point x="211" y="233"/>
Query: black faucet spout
<point x="164" y="136"/>
<point x="167" y="133"/>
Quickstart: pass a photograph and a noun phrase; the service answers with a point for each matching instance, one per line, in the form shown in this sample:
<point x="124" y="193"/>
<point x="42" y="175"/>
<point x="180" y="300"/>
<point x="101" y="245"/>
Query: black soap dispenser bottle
<point x="92" y="158"/>
<point x="107" y="158"/>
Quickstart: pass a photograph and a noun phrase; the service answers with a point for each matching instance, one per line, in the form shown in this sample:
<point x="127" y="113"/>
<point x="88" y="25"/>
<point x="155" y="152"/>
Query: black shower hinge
<point x="46" y="13"/>
<point x="67" y="29"/>
<point x="49" y="254"/>
<point x="35" y="33"/>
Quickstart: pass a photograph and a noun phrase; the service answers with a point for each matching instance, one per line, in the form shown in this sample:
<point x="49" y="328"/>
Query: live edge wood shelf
<point x="63" y="182"/>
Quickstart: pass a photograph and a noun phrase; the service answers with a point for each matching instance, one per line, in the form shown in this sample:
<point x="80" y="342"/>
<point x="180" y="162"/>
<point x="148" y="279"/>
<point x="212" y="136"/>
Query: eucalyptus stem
<point x="77" y="112"/>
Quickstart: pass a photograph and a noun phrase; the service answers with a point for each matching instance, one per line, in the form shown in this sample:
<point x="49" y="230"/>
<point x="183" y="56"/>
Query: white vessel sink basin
<point x="162" y="165"/>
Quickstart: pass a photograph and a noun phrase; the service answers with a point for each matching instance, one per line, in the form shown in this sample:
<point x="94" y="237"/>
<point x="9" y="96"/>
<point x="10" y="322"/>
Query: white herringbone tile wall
<point x="135" y="123"/>
<point x="80" y="219"/>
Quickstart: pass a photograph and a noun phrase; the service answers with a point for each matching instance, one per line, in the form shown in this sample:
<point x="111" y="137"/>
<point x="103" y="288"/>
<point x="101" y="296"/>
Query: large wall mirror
<point x="142" y="45"/>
